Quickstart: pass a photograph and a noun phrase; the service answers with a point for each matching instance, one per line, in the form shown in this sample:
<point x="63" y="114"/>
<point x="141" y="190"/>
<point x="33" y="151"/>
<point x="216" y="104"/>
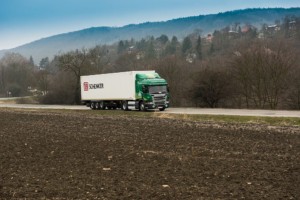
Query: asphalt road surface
<point x="201" y="111"/>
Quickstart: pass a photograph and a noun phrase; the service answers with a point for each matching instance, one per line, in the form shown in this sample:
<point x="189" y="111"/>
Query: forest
<point x="239" y="66"/>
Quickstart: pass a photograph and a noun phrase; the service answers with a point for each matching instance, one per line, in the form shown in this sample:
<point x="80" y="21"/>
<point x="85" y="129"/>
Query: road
<point x="201" y="111"/>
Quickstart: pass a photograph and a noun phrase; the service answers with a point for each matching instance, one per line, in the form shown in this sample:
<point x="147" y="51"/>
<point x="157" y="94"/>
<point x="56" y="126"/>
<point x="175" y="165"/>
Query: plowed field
<point x="67" y="155"/>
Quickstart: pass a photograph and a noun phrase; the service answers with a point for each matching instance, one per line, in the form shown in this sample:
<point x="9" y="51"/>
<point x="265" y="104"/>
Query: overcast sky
<point x="23" y="21"/>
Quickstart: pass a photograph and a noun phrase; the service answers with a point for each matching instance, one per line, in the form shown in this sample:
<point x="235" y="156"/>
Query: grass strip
<point x="273" y="121"/>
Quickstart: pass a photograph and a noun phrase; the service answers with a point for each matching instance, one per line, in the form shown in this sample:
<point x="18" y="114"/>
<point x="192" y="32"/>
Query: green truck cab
<point x="152" y="91"/>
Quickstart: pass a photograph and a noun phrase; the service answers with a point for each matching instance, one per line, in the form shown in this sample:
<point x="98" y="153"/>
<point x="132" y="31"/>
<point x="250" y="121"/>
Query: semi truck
<point x="141" y="90"/>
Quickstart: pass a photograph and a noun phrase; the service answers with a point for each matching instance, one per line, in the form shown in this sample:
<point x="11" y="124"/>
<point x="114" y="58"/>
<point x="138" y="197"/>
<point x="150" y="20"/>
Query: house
<point x="209" y="38"/>
<point x="273" y="28"/>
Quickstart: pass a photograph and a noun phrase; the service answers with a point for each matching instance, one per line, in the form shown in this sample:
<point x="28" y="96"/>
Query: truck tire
<point x="142" y="106"/>
<point x="124" y="105"/>
<point x="97" y="106"/>
<point x="162" y="108"/>
<point x="92" y="106"/>
<point x="101" y="105"/>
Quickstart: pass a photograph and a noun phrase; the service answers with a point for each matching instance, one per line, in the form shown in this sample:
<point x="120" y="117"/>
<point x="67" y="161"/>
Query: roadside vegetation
<point x="240" y="66"/>
<point x="226" y="119"/>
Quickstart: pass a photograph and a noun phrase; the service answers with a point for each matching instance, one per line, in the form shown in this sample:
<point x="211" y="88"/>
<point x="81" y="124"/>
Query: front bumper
<point x="152" y="105"/>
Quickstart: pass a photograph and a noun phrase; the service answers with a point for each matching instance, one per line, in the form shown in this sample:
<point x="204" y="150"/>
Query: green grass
<point x="27" y="100"/>
<point x="21" y="100"/>
<point x="280" y="121"/>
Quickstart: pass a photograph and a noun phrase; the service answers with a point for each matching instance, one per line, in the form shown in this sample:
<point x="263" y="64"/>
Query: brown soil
<point x="57" y="155"/>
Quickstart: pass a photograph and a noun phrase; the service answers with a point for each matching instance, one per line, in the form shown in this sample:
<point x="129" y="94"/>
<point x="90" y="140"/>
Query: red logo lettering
<point x="86" y="86"/>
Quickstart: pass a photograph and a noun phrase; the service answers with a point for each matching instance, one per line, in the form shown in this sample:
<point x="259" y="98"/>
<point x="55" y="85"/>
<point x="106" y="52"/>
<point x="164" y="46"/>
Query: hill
<point x="48" y="47"/>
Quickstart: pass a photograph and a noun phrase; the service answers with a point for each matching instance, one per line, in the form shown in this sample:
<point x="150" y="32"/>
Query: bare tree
<point x="16" y="74"/>
<point x="43" y="79"/>
<point x="127" y="62"/>
<point x="61" y="89"/>
<point x="213" y="84"/>
<point x="280" y="61"/>
<point x="263" y="71"/>
<point x="175" y="71"/>
<point x="293" y="96"/>
<point x="74" y="62"/>
<point x="98" y="60"/>
<point x="2" y="78"/>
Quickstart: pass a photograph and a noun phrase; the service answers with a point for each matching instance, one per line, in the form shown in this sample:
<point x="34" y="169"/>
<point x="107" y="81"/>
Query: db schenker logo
<point x="86" y="86"/>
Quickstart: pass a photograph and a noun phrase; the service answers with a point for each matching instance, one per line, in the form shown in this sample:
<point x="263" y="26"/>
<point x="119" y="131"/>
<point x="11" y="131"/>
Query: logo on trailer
<point x="86" y="86"/>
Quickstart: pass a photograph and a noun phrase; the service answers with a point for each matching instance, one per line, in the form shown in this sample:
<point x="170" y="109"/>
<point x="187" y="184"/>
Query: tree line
<point x="235" y="67"/>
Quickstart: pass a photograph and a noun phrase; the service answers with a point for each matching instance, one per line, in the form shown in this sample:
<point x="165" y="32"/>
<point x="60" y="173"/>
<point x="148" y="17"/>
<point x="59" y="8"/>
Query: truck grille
<point x="159" y="99"/>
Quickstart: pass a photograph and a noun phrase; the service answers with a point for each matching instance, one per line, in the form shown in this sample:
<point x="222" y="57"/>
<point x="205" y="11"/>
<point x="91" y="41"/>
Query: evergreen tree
<point x="150" y="53"/>
<point x="174" y="40"/>
<point x="186" y="45"/>
<point x="163" y="39"/>
<point x="199" y="48"/>
<point x="212" y="48"/>
<point x="121" y="47"/>
<point x="171" y="46"/>
<point x="44" y="63"/>
<point x="31" y="61"/>
<point x="141" y="45"/>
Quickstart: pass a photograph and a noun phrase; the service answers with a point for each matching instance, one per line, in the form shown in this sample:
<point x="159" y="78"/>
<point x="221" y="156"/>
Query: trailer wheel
<point x="142" y="106"/>
<point x="101" y="105"/>
<point x="124" y="105"/>
<point x="97" y="106"/>
<point x="92" y="106"/>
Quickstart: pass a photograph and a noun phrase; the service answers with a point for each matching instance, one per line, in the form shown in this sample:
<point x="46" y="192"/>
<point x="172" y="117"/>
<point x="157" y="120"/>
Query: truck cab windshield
<point x="157" y="89"/>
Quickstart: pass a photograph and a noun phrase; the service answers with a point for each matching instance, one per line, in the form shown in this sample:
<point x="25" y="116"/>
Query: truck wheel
<point x="101" y="105"/>
<point x="124" y="105"/>
<point x="97" y="106"/>
<point x="162" y="108"/>
<point x="142" y="106"/>
<point x="92" y="106"/>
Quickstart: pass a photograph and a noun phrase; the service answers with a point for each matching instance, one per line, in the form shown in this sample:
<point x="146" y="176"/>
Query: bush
<point x="61" y="90"/>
